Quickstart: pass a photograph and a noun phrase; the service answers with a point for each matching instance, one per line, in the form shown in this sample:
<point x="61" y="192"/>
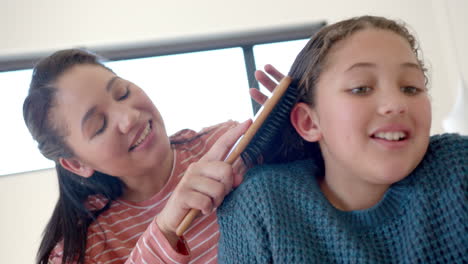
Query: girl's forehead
<point x="370" y="44"/>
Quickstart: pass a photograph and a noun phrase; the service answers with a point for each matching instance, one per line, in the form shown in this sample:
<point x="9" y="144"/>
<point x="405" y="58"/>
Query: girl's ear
<point x="305" y="121"/>
<point x="76" y="167"/>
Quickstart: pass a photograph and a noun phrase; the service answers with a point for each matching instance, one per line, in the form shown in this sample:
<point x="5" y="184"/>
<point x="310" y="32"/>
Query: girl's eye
<point x="410" y="90"/>
<point x="362" y="90"/>
<point x="125" y="95"/>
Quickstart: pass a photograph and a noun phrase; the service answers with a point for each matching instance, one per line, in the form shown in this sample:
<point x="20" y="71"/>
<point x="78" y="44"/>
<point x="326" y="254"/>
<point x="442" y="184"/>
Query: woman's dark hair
<point x="306" y="71"/>
<point x="71" y="218"/>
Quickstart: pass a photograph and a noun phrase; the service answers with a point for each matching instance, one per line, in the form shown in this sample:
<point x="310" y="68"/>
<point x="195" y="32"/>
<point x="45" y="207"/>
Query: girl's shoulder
<point x="447" y="156"/>
<point x="299" y="167"/>
<point x="449" y="138"/>
<point x="448" y="145"/>
<point x="270" y="189"/>
<point x="280" y="177"/>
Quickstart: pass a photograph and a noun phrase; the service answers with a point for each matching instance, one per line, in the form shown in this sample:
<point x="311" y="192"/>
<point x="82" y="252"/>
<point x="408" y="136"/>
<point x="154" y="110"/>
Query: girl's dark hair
<point x="71" y="218"/>
<point x="306" y="71"/>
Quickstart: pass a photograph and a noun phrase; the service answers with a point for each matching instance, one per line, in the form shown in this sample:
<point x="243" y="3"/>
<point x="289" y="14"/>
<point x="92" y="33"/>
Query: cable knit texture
<point x="279" y="215"/>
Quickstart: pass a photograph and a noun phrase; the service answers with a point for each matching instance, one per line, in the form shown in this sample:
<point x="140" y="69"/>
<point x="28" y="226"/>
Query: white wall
<point x="26" y="203"/>
<point x="36" y="26"/>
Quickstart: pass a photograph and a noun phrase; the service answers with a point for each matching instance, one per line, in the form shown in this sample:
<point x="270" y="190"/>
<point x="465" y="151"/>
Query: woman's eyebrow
<point x="87" y="116"/>
<point x="92" y="110"/>
<point x="111" y="82"/>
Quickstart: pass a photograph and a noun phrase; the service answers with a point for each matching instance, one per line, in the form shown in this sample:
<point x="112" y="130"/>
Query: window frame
<point x="245" y="40"/>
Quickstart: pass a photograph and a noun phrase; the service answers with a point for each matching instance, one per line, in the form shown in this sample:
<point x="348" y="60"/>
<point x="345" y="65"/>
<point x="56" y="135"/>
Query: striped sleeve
<point x="56" y="255"/>
<point x="153" y="247"/>
<point x="129" y="234"/>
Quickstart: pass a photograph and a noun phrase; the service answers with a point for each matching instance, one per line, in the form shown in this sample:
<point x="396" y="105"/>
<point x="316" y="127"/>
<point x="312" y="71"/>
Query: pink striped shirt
<point x="127" y="232"/>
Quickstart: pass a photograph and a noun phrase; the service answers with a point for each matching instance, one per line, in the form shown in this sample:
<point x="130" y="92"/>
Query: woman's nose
<point x="127" y="118"/>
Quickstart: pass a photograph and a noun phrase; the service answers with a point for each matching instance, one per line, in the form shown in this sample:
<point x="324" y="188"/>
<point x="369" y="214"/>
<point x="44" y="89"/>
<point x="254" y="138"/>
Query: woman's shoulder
<point x="211" y="132"/>
<point x="221" y="126"/>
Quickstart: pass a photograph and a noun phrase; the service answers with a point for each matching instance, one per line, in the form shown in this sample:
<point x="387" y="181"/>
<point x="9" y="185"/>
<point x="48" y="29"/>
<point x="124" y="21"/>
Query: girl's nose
<point x="127" y="118"/>
<point x="393" y="105"/>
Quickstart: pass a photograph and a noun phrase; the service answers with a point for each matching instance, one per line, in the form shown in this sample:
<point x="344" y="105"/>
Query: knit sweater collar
<point x="393" y="203"/>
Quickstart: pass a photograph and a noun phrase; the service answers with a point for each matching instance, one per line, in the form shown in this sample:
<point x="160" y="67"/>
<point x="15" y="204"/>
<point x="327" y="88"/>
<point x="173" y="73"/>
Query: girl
<point x="124" y="184"/>
<point x="373" y="186"/>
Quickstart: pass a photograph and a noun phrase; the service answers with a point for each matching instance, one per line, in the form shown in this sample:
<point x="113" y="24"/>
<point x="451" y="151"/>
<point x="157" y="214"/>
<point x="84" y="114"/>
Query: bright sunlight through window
<point x="191" y="90"/>
<point x="280" y="54"/>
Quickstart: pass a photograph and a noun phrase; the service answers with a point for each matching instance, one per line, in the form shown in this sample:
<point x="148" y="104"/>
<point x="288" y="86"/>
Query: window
<point x="280" y="54"/>
<point x="187" y="88"/>
<point x="194" y="84"/>
<point x="18" y="152"/>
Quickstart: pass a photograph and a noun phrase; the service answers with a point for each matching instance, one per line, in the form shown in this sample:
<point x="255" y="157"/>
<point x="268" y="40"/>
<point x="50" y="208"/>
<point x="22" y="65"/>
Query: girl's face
<point x="373" y="110"/>
<point x="112" y="126"/>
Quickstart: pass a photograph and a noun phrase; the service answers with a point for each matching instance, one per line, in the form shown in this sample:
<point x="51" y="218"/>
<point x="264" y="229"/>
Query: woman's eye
<point x="411" y="90"/>
<point x="102" y="128"/>
<point x="125" y="95"/>
<point x="360" y="90"/>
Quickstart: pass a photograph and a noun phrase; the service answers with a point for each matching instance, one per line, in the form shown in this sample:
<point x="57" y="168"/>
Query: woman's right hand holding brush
<point x="204" y="185"/>
<point x="208" y="181"/>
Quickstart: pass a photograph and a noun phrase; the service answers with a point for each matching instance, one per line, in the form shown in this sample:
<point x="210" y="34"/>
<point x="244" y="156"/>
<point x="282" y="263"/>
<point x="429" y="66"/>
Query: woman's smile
<point x="113" y="125"/>
<point x="142" y="137"/>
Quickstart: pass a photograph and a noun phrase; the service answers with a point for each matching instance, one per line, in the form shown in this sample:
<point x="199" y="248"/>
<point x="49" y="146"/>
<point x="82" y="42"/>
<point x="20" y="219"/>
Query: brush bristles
<point x="269" y="131"/>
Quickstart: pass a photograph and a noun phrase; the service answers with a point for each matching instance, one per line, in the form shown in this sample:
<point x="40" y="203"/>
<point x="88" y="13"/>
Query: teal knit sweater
<point x="279" y="215"/>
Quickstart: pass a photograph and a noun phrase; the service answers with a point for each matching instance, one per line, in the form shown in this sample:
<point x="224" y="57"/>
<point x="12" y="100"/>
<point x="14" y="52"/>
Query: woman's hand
<point x="266" y="81"/>
<point x="204" y="185"/>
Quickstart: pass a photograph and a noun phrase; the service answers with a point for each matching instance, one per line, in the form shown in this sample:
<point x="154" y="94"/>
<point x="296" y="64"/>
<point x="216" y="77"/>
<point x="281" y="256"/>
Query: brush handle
<point x="243" y="141"/>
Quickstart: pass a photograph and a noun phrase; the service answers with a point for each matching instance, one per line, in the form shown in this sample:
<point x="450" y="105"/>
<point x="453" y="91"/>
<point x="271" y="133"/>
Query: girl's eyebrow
<point x="411" y="65"/>
<point x="373" y="65"/>
<point x="361" y="64"/>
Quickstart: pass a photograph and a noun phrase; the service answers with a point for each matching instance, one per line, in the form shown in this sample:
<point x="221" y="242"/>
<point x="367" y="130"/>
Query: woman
<point x="124" y="184"/>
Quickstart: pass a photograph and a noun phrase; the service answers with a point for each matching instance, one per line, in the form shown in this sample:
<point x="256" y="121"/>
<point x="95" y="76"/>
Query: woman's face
<point x="372" y="109"/>
<point x="110" y="123"/>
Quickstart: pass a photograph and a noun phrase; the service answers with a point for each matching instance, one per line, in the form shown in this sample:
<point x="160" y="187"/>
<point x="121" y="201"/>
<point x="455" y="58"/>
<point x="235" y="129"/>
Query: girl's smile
<point x="392" y="136"/>
<point x="372" y="115"/>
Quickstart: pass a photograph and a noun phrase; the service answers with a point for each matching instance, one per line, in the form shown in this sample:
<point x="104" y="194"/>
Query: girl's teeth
<point x="391" y="135"/>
